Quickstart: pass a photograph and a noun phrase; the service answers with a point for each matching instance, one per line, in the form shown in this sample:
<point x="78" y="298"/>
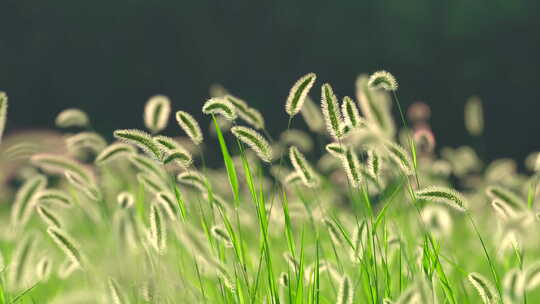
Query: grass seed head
<point x="70" y="118"/>
<point x="298" y="93"/>
<point x="255" y="141"/>
<point x="156" y="113"/>
<point x="219" y="106"/>
<point x="383" y="80"/>
<point x="190" y="126"/>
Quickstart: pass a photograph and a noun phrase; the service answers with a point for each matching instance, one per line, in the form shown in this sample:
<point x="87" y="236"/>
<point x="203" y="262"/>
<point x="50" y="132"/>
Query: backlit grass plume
<point x="485" y="289"/>
<point x="114" y="151"/>
<point x="298" y="93"/>
<point x="125" y="200"/>
<point x="72" y="118"/>
<point x="158" y="229"/>
<point x="20" y="263"/>
<point x="222" y="236"/>
<point x="333" y="231"/>
<point x="190" y="126"/>
<point x="193" y="178"/>
<point x="169" y="204"/>
<point x="400" y="157"/>
<point x="303" y="168"/>
<point x="510" y="198"/>
<point x="56" y="197"/>
<point x="140" y="139"/>
<point x="350" y="112"/>
<point x="383" y="80"/>
<point x="255" y="141"/>
<point x="58" y="164"/>
<point x="67" y="245"/>
<point x="115" y="293"/>
<point x="26" y="199"/>
<point x="3" y="112"/>
<point x="336" y="149"/>
<point x="474" y="117"/>
<point x="312" y="115"/>
<point x="250" y="115"/>
<point x="86" y="140"/>
<point x="156" y="113"/>
<point x="351" y="165"/>
<point x="346" y="291"/>
<point x="48" y="216"/>
<point x="444" y="195"/>
<point x="219" y="106"/>
<point x="44" y="268"/>
<point x="330" y="110"/>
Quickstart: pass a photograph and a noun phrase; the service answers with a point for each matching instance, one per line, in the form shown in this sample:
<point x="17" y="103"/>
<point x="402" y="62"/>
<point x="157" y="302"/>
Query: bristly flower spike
<point x="255" y="141"/>
<point x="330" y="110"/>
<point x="383" y="80"/>
<point x="219" y="106"/>
<point x="298" y="94"/>
<point x="190" y="126"/>
<point x="157" y="112"/>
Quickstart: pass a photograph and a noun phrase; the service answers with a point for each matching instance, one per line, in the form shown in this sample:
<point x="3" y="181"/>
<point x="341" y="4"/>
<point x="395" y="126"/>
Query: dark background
<point x="108" y="57"/>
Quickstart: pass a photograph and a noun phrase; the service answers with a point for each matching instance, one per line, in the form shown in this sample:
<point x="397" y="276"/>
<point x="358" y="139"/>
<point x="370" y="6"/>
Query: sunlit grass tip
<point x="219" y="106"/>
<point x="350" y="113"/>
<point x="255" y="141"/>
<point x="221" y="235"/>
<point x="140" y="139"/>
<point x="67" y="245"/>
<point x="383" y="80"/>
<point x="158" y="229"/>
<point x="69" y="118"/>
<point x="346" y="291"/>
<point x="114" y="151"/>
<point x="250" y="115"/>
<point x="156" y="113"/>
<point x="474" y="116"/>
<point x="303" y="168"/>
<point x="3" y="112"/>
<point x="485" y="289"/>
<point x="125" y="200"/>
<point x="444" y="195"/>
<point x="331" y="112"/>
<point x="298" y="93"/>
<point x="190" y="126"/>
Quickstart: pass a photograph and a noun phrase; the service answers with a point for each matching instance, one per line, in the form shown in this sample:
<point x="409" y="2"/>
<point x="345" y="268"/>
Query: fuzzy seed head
<point x="346" y="291"/>
<point x="3" y="112"/>
<point x="157" y="112"/>
<point x="351" y="164"/>
<point x="158" y="230"/>
<point x="67" y="245"/>
<point x="255" y="141"/>
<point x="330" y="110"/>
<point x="222" y="236"/>
<point x="219" y="106"/>
<point x="303" y="168"/>
<point x="190" y="126"/>
<point x="140" y="139"/>
<point x="72" y="118"/>
<point x="250" y="115"/>
<point x="485" y="289"/>
<point x="114" y="151"/>
<point x="474" y="116"/>
<point x="350" y="113"/>
<point x="383" y="80"/>
<point x="312" y="116"/>
<point x="298" y="93"/>
<point x="444" y="195"/>
<point x="125" y="200"/>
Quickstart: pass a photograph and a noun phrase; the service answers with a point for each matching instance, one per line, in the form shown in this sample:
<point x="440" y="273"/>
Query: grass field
<point x="346" y="205"/>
